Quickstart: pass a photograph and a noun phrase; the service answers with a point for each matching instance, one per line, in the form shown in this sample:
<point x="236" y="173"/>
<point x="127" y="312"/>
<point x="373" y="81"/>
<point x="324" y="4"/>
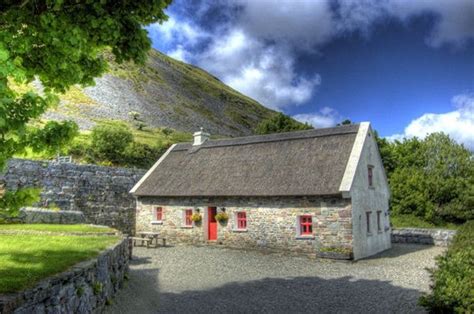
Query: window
<point x="241" y="221"/>
<point x="159" y="214"/>
<point x="370" y="174"/>
<point x="379" y="224"/>
<point x="367" y="215"/>
<point x="306" y="225"/>
<point x="188" y="213"/>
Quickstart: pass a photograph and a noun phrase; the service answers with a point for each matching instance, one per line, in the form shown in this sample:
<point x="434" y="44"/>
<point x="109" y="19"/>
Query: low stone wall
<point x="101" y="193"/>
<point x="85" y="288"/>
<point x="34" y="215"/>
<point x="438" y="237"/>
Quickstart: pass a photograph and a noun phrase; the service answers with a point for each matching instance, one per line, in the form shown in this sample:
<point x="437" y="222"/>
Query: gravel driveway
<point x="185" y="279"/>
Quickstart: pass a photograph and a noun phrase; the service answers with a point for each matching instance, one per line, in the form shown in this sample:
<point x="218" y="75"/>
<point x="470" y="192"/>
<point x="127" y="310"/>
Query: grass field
<point x="57" y="228"/>
<point x="25" y="259"/>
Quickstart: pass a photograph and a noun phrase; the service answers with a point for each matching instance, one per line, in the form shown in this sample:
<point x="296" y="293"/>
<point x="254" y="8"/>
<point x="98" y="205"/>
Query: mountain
<point x="165" y="93"/>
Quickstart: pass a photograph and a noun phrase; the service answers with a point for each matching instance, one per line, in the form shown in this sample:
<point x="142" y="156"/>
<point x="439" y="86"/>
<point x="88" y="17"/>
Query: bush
<point x="141" y="155"/>
<point x="109" y="141"/>
<point x="453" y="279"/>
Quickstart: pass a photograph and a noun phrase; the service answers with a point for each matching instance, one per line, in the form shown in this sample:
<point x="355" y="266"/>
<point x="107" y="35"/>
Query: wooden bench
<point x="143" y="240"/>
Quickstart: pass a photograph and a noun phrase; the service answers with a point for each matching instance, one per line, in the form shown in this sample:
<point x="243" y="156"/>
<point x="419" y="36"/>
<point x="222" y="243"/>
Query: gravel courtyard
<point x="185" y="279"/>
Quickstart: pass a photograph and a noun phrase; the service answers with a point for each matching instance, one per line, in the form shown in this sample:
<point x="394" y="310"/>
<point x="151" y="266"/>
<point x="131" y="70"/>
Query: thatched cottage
<point x="321" y="192"/>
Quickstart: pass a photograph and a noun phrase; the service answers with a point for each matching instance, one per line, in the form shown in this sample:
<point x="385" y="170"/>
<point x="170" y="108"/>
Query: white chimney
<point x="200" y="137"/>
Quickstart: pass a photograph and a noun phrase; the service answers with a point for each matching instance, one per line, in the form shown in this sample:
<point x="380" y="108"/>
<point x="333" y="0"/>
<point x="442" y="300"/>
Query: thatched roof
<point x="297" y="163"/>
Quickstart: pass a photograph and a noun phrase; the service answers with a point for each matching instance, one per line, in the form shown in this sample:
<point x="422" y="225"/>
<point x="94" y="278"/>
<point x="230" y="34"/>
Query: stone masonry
<point x="101" y="193"/>
<point x="85" y="288"/>
<point x="271" y="223"/>
<point x="438" y="237"/>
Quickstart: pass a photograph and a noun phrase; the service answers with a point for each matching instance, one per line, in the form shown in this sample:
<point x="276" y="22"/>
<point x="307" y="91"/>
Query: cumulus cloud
<point x="264" y="72"/>
<point x="253" y="46"/>
<point x="459" y="123"/>
<point x="325" y="117"/>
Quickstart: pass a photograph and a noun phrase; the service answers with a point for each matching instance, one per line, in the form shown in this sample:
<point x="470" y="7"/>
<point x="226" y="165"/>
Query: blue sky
<point x="406" y="66"/>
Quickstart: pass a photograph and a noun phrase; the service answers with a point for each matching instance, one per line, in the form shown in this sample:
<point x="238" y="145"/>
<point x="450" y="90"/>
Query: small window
<point x="241" y="221"/>
<point x="367" y="215"/>
<point x="159" y="213"/>
<point x="370" y="175"/>
<point x="379" y="222"/>
<point x="188" y="222"/>
<point x="306" y="225"/>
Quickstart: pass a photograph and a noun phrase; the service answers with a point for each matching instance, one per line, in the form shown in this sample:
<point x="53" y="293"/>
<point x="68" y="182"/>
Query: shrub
<point x="109" y="141"/>
<point x="140" y="155"/>
<point x="453" y="279"/>
<point x="196" y="217"/>
<point x="222" y="217"/>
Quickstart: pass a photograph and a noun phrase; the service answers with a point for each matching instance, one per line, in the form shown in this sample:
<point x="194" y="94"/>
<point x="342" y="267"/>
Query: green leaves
<point x="280" y="123"/>
<point x="431" y="178"/>
<point x="59" y="42"/>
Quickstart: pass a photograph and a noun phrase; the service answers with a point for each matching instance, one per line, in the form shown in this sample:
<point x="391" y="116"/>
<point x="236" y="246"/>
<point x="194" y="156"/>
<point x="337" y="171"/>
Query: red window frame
<point x="241" y="220"/>
<point x="188" y="213"/>
<point x="370" y="175"/>
<point x="159" y="213"/>
<point x="306" y="225"/>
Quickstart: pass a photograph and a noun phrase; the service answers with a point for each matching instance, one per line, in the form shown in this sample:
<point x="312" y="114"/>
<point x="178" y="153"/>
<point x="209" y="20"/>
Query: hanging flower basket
<point x="222" y="217"/>
<point x="196" y="217"/>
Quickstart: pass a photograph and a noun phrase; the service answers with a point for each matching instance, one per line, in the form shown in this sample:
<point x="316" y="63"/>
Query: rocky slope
<point x="165" y="93"/>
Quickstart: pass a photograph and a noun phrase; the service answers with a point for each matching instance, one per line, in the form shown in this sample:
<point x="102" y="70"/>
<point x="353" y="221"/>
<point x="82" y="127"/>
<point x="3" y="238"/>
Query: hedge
<point x="453" y="278"/>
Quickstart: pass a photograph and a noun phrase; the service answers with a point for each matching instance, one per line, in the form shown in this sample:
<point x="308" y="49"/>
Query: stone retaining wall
<point x="438" y="237"/>
<point x="101" y="193"/>
<point x="32" y="215"/>
<point x="85" y="288"/>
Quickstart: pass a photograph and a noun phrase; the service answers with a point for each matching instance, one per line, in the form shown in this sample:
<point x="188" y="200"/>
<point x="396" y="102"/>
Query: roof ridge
<point x="275" y="137"/>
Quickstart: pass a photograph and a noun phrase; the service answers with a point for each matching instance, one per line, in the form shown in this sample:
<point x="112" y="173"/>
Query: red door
<point x="211" y="223"/>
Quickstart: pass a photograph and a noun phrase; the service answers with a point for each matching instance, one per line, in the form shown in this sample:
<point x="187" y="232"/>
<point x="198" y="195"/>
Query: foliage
<point x="60" y="43"/>
<point x="279" y="123"/>
<point x="453" y="279"/>
<point x="109" y="141"/>
<point x="412" y="221"/>
<point x="52" y="228"/>
<point x="30" y="258"/>
<point x="12" y="201"/>
<point x="222" y="216"/>
<point x="142" y="151"/>
<point x="196" y="217"/>
<point x="432" y="179"/>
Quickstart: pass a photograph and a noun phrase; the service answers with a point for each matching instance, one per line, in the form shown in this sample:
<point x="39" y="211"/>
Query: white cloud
<point x="264" y="72"/>
<point x="325" y="117"/>
<point x="255" y="45"/>
<point x="459" y="124"/>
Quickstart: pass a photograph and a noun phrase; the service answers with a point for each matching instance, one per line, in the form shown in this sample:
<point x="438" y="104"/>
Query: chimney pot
<point x="200" y="137"/>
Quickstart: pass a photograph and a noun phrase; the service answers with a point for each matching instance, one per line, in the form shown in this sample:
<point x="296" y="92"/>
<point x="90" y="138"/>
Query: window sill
<point x="371" y="187"/>
<point x="369" y="234"/>
<point x="305" y="237"/>
<point x="157" y="222"/>
<point x="239" y="230"/>
<point x="186" y="227"/>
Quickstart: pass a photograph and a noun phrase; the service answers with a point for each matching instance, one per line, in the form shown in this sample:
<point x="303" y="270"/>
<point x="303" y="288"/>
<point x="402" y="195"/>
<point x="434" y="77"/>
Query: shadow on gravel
<point x="399" y="249"/>
<point x="295" y="295"/>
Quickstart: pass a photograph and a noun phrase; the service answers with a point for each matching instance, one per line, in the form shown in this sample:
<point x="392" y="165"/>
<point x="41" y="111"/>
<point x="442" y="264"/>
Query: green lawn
<point x="25" y="259"/>
<point x="57" y="228"/>
<point x="411" y="221"/>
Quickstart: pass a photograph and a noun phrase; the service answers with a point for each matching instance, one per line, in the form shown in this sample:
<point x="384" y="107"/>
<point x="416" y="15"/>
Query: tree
<point x="280" y="123"/>
<point x="109" y="141"/>
<point x="60" y="43"/>
<point x="431" y="178"/>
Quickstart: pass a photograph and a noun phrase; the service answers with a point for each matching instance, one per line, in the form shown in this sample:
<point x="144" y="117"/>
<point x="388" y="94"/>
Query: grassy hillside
<point x="165" y="93"/>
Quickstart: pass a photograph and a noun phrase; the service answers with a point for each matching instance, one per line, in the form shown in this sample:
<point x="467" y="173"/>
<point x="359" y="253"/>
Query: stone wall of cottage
<point x="85" y="288"/>
<point x="271" y="223"/>
<point x="101" y="193"/>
